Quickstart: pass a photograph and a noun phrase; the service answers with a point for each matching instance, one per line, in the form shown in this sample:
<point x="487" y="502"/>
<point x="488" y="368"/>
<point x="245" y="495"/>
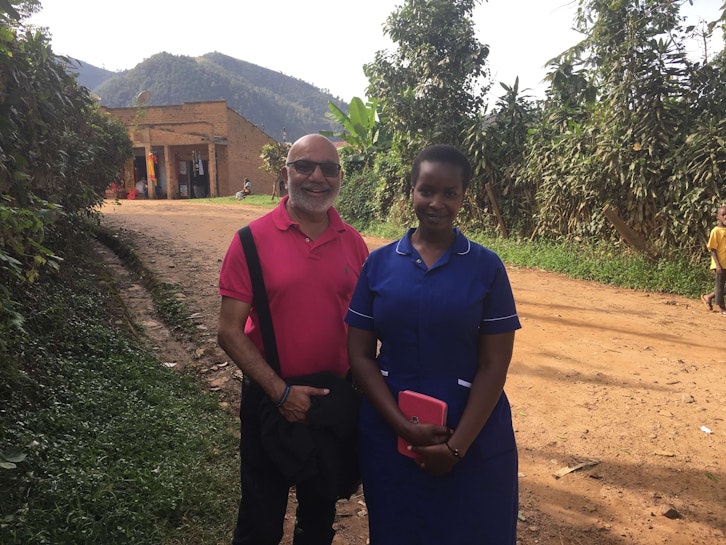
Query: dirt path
<point x="620" y="379"/>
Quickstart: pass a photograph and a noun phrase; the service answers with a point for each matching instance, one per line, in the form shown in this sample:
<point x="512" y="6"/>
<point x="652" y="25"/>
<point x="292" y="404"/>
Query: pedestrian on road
<point x="717" y="246"/>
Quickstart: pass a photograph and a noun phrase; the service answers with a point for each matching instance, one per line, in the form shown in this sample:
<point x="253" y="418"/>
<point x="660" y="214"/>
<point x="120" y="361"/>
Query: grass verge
<point x="263" y="201"/>
<point x="100" y="443"/>
<point x="596" y="261"/>
<point x="605" y="263"/>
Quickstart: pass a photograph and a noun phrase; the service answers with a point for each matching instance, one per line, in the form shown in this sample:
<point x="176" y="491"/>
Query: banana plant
<point x="363" y="129"/>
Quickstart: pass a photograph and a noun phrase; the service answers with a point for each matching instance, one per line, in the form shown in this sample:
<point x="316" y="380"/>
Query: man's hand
<point x="297" y="403"/>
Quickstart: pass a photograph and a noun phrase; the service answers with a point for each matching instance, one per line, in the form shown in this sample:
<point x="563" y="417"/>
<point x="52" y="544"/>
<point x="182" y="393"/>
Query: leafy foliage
<point x="274" y="156"/>
<point x="497" y="144"/>
<point x="363" y="132"/>
<point x="57" y="154"/>
<point x="433" y="84"/>
<point x="632" y="123"/>
<point x="629" y="123"/>
<point x="367" y="198"/>
<point x="429" y="90"/>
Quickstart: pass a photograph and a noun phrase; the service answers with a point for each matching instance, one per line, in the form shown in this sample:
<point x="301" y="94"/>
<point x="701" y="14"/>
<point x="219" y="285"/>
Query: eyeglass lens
<point x="303" y="166"/>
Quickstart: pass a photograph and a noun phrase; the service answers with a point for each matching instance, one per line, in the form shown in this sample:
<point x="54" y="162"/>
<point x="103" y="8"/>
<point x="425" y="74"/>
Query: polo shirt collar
<point x="461" y="246"/>
<point x="283" y="221"/>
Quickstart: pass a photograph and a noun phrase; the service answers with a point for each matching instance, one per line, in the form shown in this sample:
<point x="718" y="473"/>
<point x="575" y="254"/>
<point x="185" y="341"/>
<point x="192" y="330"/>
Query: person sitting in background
<point x="246" y="190"/>
<point x="142" y="188"/>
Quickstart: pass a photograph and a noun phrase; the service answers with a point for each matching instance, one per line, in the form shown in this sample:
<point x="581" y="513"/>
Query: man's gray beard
<point x="302" y="201"/>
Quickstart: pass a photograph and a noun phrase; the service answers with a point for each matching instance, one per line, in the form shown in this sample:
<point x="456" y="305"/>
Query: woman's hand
<point x="436" y="459"/>
<point x="426" y="434"/>
<point x="428" y="441"/>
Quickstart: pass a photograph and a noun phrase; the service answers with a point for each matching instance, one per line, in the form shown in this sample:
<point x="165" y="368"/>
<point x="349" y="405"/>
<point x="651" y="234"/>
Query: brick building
<point x="192" y="150"/>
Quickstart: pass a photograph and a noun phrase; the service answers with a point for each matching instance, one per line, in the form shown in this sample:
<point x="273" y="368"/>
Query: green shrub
<point x="115" y="447"/>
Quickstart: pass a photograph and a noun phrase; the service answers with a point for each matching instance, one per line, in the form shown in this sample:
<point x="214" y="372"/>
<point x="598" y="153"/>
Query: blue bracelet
<point x="284" y="396"/>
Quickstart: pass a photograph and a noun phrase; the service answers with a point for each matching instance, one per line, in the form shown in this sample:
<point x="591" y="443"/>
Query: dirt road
<point x="621" y="381"/>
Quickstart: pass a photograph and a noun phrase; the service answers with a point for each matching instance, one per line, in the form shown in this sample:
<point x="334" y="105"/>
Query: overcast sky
<point x="323" y="42"/>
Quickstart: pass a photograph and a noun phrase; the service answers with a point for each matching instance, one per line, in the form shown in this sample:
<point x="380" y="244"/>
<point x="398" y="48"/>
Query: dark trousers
<point x="720" y="281"/>
<point x="265" y="492"/>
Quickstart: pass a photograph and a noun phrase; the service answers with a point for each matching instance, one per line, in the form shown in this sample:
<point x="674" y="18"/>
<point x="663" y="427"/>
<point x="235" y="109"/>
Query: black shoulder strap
<point x="262" y="306"/>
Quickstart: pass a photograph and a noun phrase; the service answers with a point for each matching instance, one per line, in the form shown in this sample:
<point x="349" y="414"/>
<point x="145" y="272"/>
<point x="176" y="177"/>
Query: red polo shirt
<point x="309" y="285"/>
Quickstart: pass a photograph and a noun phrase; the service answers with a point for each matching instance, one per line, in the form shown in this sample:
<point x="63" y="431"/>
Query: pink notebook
<point x="419" y="408"/>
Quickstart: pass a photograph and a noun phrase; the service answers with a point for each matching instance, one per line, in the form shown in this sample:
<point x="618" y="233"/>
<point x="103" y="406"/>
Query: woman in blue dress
<point x="442" y="308"/>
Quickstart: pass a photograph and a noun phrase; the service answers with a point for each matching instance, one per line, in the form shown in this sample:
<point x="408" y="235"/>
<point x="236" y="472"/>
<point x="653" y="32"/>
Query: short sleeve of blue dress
<point x="428" y="322"/>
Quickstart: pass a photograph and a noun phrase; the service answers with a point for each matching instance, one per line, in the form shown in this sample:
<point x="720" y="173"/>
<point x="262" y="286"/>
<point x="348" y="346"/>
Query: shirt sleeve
<point x="234" y="276"/>
<point x="499" y="312"/>
<point x="715" y="240"/>
<point x="360" y="311"/>
<point x="712" y="242"/>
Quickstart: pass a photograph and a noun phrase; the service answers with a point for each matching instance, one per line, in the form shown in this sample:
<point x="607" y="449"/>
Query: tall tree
<point x="496" y="145"/>
<point x="434" y="83"/>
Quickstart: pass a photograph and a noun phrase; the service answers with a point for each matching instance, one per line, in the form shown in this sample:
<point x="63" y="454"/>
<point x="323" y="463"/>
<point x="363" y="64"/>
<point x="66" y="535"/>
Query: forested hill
<point x="269" y="99"/>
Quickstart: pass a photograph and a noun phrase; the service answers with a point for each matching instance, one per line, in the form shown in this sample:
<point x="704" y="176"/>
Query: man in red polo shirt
<point x="310" y="263"/>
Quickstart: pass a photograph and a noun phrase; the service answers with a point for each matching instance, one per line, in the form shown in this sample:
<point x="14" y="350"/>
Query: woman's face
<point x="438" y="195"/>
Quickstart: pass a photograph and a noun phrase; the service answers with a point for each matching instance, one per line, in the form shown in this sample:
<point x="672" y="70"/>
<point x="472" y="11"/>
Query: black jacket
<point x="326" y="447"/>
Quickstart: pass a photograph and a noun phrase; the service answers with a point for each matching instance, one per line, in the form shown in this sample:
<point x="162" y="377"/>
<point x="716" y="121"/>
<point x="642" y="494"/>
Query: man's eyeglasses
<point x="303" y="166"/>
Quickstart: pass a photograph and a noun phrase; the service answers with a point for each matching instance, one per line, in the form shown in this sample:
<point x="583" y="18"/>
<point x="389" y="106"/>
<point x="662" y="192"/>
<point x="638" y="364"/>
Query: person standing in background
<point x="717" y="246"/>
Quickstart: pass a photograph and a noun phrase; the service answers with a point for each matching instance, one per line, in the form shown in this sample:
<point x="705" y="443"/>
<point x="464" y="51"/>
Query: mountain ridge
<point x="282" y="106"/>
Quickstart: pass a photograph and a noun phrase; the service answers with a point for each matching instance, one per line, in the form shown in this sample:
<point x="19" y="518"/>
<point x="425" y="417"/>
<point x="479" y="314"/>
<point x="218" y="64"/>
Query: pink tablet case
<point x="419" y="408"/>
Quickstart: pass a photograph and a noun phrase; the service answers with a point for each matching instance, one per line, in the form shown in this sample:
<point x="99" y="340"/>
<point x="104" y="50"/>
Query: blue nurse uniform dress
<point x="428" y="322"/>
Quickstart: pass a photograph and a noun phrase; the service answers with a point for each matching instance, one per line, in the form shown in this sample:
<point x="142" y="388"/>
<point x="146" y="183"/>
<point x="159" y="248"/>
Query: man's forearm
<point x="249" y="360"/>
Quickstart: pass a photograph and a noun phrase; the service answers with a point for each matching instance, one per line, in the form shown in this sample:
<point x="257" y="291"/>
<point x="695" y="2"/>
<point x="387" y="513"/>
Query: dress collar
<point x="461" y="246"/>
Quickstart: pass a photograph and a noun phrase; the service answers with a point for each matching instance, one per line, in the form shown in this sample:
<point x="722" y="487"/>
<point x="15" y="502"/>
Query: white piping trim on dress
<point x="468" y="248"/>
<point x="464" y="383"/>
<point x="397" y="245"/>
<point x="498" y="319"/>
<point x="359" y="314"/>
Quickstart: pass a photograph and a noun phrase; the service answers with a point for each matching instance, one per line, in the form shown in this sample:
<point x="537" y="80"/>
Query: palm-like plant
<point x="363" y="131"/>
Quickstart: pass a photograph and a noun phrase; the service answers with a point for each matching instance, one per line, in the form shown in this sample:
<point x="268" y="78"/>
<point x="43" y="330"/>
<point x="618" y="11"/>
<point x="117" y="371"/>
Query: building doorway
<point x="200" y="179"/>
